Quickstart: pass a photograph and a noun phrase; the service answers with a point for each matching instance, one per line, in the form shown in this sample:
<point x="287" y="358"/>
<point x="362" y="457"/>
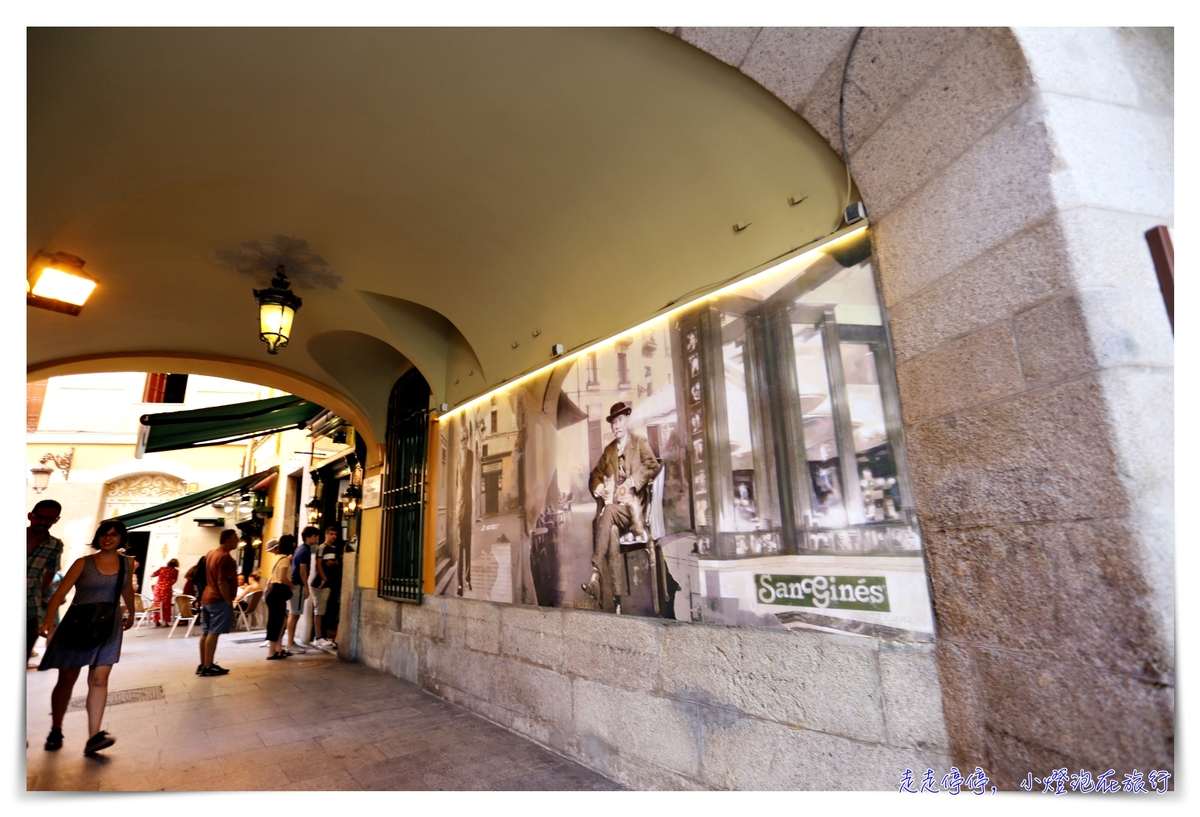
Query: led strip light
<point x="823" y="247"/>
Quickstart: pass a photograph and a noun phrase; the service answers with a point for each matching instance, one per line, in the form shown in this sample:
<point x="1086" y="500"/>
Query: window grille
<point x="404" y="489"/>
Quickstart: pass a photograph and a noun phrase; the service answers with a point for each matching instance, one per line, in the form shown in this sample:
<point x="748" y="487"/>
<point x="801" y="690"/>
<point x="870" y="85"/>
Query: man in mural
<point x="465" y="510"/>
<point x="627" y="465"/>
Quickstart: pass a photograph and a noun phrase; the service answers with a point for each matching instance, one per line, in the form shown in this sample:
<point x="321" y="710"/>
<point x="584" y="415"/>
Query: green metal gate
<point x="404" y="489"/>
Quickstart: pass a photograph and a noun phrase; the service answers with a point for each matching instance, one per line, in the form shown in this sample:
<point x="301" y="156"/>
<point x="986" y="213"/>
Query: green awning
<point x="184" y="504"/>
<point x="172" y="430"/>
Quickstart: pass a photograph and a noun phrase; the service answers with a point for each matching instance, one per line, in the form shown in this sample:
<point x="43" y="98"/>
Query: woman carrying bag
<point x="279" y="591"/>
<point x="89" y="635"/>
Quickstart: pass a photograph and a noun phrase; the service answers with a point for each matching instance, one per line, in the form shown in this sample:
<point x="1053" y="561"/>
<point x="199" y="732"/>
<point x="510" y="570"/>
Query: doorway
<point x="137" y="546"/>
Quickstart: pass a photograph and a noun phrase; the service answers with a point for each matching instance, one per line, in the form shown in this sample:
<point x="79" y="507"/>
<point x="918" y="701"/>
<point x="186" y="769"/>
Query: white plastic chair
<point x="143" y="608"/>
<point x="183" y="606"/>
<point x="245" y="616"/>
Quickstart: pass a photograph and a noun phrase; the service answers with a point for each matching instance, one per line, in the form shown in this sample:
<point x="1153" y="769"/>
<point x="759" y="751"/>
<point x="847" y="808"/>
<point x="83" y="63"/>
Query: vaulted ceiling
<point x="470" y="187"/>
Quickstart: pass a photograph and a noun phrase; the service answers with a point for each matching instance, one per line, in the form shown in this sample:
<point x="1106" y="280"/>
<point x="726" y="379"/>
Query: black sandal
<point x="275" y="656"/>
<point x="54" y="740"/>
<point x="98" y="742"/>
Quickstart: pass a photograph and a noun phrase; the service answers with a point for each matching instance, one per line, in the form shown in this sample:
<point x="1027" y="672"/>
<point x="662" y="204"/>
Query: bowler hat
<point x="618" y="409"/>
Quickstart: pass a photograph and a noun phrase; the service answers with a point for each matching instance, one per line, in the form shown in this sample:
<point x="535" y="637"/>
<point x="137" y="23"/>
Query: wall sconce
<point x="58" y="283"/>
<point x="41" y="473"/>
<point x="277" y="307"/>
<point x="314" y="510"/>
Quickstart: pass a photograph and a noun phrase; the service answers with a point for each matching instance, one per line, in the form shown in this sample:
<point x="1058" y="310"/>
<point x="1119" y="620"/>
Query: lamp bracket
<point x="61" y="461"/>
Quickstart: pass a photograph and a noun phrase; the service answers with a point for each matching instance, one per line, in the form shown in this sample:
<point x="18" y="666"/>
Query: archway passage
<point x="463" y="198"/>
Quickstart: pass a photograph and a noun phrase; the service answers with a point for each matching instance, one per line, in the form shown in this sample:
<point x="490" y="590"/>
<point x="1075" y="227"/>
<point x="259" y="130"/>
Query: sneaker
<point x="208" y="672"/>
<point x="54" y="740"/>
<point x="199" y="669"/>
<point x="296" y="649"/>
<point x="98" y="742"/>
<point x="218" y="669"/>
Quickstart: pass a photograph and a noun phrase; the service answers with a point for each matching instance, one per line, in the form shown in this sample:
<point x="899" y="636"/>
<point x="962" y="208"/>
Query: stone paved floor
<point x="310" y="722"/>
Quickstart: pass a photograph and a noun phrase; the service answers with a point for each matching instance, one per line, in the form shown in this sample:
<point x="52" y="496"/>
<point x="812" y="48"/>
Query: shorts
<point x="296" y="602"/>
<point x="320" y="600"/>
<point x="216" y="618"/>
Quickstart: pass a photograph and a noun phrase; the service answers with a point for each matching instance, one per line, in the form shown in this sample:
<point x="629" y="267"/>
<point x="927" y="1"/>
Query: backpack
<point x="198" y="578"/>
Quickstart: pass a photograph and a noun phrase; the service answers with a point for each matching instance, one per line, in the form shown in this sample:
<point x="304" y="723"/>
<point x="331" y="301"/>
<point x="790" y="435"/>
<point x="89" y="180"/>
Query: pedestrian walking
<point x="43" y="558"/>
<point x="279" y="591"/>
<point x="164" y="589"/>
<point x="216" y="602"/>
<point x="90" y="632"/>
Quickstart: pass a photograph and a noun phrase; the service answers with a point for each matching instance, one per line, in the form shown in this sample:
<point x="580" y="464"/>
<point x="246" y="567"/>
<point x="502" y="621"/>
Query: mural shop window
<point x="403" y="498"/>
<point x="750" y="472"/>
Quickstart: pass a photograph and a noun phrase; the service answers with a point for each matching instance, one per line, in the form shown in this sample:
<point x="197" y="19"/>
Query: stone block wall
<point x="665" y="705"/>
<point x="1009" y="175"/>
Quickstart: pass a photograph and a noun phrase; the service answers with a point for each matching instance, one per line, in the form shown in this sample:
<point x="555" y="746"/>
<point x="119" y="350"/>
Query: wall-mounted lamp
<point x="314" y="510"/>
<point x="277" y="307"/>
<point x="41" y="473"/>
<point x="58" y="283"/>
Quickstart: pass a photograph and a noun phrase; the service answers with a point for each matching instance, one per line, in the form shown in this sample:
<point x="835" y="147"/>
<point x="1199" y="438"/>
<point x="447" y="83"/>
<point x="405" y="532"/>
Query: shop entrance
<point x="491" y="488"/>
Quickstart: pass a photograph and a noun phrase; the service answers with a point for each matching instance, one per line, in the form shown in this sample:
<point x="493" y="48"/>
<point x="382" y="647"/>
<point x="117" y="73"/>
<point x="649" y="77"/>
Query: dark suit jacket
<point x="640" y="464"/>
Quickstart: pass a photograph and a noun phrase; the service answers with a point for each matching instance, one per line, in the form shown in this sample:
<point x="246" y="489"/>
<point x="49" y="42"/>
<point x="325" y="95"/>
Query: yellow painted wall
<point x="429" y="545"/>
<point x="90" y="457"/>
<point x="369" y="532"/>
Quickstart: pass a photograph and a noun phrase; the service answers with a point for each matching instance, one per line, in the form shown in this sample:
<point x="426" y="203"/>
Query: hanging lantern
<point x="277" y="307"/>
<point x="350" y="498"/>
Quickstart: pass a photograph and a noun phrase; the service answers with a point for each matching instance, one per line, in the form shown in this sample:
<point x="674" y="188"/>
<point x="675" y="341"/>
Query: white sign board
<point x="371" y="491"/>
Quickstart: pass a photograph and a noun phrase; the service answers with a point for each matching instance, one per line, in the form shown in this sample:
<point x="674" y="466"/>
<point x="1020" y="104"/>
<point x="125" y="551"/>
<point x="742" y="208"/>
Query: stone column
<point x="1009" y="177"/>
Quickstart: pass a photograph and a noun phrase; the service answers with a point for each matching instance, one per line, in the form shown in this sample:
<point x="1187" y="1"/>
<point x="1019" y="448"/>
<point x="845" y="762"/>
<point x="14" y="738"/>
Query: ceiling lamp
<point x="277" y="307"/>
<point x="58" y="283"/>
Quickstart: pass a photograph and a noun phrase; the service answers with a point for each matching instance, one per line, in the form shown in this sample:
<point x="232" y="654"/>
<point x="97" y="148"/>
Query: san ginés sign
<point x="825" y="592"/>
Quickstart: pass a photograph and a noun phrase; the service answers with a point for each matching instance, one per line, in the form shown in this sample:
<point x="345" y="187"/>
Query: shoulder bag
<point x="87" y="626"/>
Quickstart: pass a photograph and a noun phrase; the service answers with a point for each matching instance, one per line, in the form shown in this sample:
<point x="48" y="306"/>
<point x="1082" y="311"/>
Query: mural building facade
<point x="740" y="461"/>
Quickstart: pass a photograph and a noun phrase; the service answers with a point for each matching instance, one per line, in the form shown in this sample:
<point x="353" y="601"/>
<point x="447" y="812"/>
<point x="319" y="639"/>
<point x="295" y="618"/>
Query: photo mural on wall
<point x="737" y="462"/>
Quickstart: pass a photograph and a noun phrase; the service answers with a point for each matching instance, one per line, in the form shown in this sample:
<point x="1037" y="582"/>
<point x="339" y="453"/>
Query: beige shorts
<point x="320" y="597"/>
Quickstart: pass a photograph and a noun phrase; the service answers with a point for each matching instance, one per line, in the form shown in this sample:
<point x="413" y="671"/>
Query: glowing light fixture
<point x="277" y="307"/>
<point x="351" y="497"/>
<point x="58" y="283"/>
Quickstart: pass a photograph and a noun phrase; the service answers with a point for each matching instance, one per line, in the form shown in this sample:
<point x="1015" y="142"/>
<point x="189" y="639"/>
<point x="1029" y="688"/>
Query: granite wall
<point x="1009" y="176"/>
<point x="665" y="705"/>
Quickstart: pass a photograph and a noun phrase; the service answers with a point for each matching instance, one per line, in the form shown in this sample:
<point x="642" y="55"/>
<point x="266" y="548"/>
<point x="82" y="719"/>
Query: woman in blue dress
<point x="95" y="581"/>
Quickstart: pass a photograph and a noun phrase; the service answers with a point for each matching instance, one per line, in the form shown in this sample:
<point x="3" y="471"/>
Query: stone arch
<point x="215" y="366"/>
<point x="1033" y="353"/>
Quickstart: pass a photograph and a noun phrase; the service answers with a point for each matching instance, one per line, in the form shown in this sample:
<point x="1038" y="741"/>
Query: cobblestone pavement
<point x="310" y="722"/>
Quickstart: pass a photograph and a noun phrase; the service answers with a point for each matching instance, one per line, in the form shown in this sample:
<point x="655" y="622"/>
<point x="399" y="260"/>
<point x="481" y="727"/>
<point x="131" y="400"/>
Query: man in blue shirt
<point x="310" y="536"/>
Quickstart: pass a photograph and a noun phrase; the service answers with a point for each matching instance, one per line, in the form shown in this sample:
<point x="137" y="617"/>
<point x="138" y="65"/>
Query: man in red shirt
<point x="216" y="603"/>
